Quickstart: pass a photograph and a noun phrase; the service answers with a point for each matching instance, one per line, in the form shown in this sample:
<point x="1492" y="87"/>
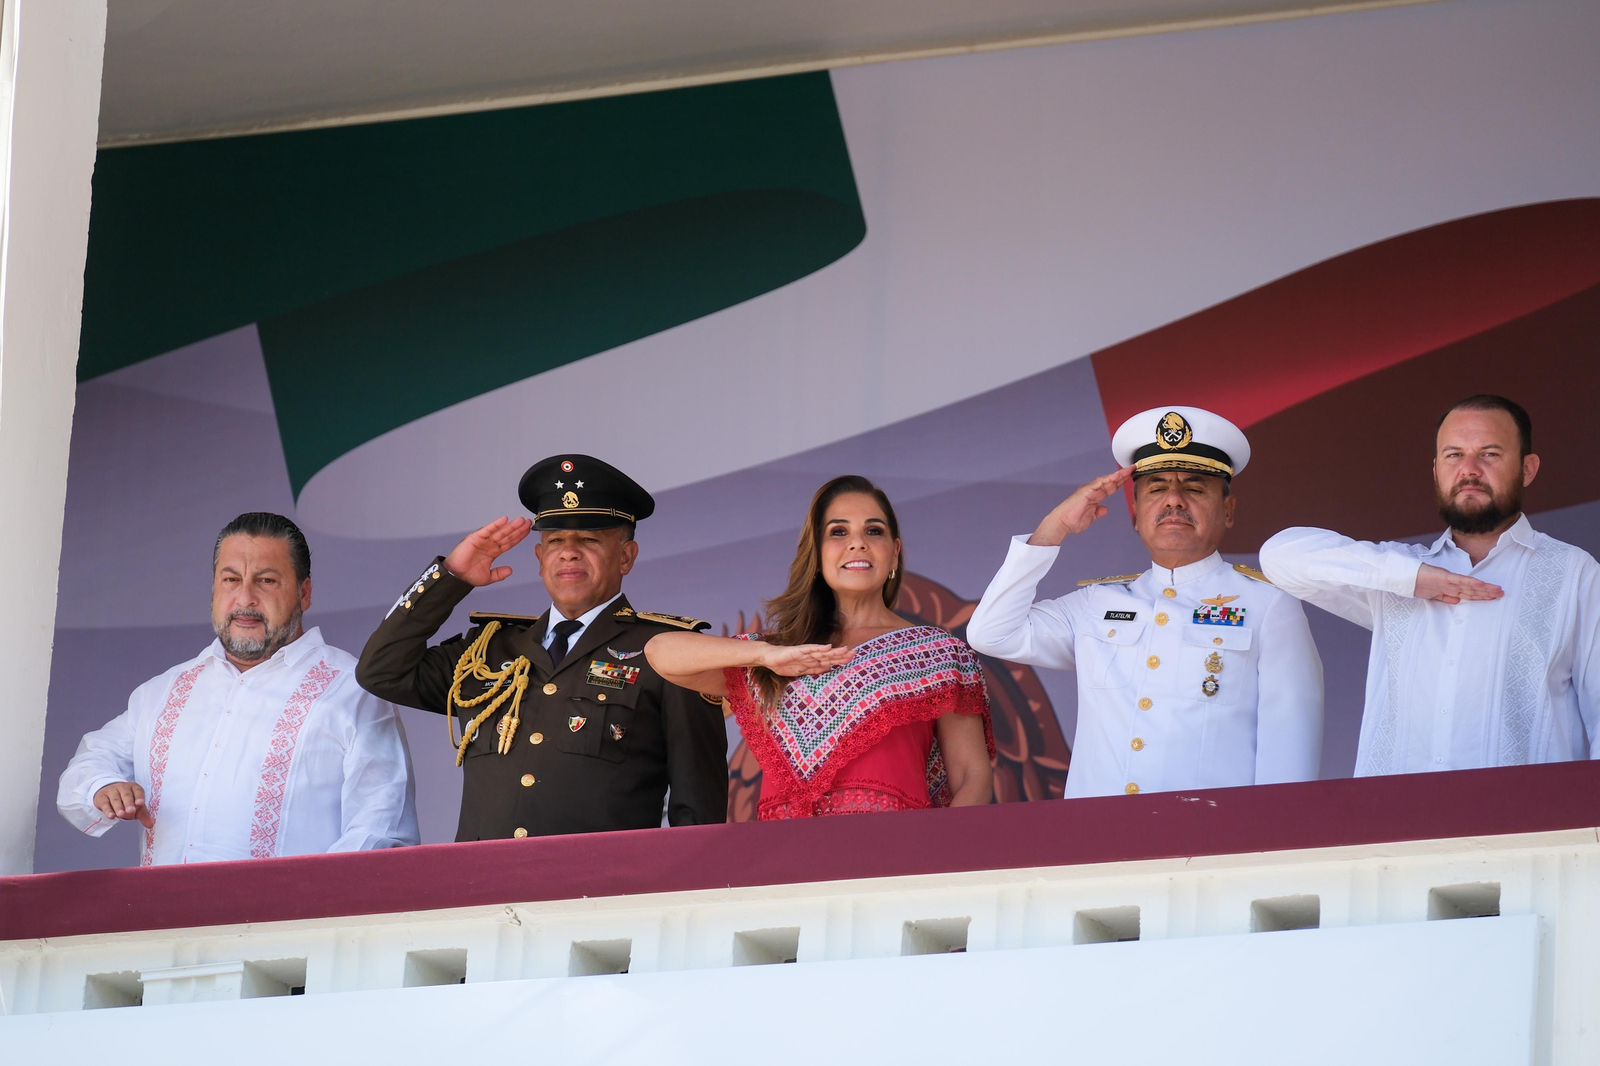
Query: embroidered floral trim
<point x="852" y="799"/>
<point x="1527" y="720"/>
<point x="1381" y="734"/>
<point x="274" y="790"/>
<point x="826" y="722"/>
<point x="161" y="747"/>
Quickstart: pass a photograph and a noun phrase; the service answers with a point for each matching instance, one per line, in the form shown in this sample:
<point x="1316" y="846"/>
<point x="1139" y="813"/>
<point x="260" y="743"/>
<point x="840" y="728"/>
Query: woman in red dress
<point x="847" y="706"/>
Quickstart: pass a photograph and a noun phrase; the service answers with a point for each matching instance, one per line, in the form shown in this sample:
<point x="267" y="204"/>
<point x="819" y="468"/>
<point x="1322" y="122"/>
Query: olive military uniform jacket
<point x="598" y="742"/>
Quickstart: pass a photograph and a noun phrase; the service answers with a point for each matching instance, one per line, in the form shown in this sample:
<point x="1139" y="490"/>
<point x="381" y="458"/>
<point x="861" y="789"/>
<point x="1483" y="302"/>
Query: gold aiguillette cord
<point x="509" y="683"/>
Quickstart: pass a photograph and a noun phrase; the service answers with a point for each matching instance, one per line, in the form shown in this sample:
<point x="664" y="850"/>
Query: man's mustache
<point x="254" y="616"/>
<point x="1174" y="512"/>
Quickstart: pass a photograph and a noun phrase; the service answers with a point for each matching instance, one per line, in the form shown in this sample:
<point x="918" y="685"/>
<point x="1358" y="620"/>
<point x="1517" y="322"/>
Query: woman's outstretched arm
<point x="696" y="661"/>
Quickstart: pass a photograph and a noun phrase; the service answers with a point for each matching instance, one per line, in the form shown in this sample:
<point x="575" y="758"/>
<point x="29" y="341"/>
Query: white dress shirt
<point x="1143" y="650"/>
<point x="1481" y="683"/>
<point x="290" y="757"/>
<point x="587" y="619"/>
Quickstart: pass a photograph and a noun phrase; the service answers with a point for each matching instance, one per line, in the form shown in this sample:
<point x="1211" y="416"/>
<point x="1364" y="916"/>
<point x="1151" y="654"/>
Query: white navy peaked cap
<point x="1189" y="439"/>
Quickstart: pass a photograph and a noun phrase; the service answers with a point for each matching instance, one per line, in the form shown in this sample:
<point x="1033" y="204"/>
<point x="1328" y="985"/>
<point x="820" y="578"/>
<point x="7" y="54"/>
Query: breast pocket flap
<point x="1228" y="638"/>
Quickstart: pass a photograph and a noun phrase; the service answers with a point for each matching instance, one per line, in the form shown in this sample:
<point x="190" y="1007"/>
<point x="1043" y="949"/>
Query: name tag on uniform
<point x="611" y="675"/>
<point x="1121" y="616"/>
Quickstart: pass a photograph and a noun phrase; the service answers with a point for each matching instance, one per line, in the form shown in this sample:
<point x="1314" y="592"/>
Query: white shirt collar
<point x="292" y="654"/>
<point x="587" y="618"/>
<point x="1520" y="532"/>
<point x="1183" y="575"/>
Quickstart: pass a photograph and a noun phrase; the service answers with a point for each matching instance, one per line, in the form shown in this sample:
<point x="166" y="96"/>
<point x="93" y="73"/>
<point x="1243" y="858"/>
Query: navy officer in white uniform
<point x="1193" y="674"/>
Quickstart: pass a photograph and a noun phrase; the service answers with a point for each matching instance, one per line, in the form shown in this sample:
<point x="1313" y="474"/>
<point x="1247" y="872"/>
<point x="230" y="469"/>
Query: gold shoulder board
<point x="482" y="618"/>
<point x="678" y="621"/>
<point x="1119" y="579"/>
<point x="1252" y="573"/>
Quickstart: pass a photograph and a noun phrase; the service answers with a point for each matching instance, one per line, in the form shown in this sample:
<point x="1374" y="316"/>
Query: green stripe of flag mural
<point x="396" y="269"/>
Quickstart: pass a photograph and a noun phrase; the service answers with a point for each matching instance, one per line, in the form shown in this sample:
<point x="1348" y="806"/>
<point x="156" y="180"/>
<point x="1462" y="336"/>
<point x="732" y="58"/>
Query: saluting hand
<point x="1080" y="510"/>
<point x="1437" y="583"/>
<point x="124" y="801"/>
<point x="799" y="660"/>
<point x="473" y="559"/>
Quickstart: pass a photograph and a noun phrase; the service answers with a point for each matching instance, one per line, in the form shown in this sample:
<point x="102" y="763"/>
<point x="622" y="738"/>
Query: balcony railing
<point x="1353" y="870"/>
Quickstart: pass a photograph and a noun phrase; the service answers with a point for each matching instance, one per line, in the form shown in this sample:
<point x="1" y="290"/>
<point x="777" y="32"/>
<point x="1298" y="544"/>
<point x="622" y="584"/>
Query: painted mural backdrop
<point x="954" y="276"/>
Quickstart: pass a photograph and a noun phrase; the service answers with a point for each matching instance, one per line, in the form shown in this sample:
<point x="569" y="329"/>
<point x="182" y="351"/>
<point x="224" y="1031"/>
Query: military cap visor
<point x="1185" y="439"/>
<point x="575" y="491"/>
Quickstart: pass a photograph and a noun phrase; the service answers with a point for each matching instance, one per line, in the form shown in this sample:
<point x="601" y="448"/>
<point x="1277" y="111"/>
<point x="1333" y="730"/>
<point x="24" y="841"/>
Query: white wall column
<point x="50" y="62"/>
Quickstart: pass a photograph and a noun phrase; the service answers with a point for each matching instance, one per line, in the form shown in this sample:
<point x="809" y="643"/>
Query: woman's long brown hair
<point x="807" y="612"/>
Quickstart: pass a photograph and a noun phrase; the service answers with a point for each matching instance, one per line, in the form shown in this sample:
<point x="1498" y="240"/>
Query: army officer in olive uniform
<point x="1192" y="674"/>
<point x="565" y="728"/>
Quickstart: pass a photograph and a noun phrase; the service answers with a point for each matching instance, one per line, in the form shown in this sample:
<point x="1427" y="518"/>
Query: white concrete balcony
<point x="1281" y="924"/>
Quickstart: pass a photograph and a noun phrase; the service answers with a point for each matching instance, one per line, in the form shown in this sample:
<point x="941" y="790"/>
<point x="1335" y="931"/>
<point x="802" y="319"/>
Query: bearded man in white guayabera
<point x="261" y="745"/>
<point x="1192" y="674"/>
<point x="1485" y="643"/>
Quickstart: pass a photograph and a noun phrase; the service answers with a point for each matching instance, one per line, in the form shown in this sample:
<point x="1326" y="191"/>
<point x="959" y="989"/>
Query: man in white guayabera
<point x="261" y="745"/>
<point x="1485" y="643"/>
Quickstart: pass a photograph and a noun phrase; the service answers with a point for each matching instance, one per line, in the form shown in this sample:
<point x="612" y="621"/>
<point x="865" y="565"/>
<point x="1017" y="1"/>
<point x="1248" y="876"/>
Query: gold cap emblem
<point x="570" y="500"/>
<point x="1173" y="432"/>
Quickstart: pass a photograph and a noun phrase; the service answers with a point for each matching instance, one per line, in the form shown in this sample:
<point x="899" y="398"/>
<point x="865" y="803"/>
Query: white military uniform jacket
<point x="1199" y="677"/>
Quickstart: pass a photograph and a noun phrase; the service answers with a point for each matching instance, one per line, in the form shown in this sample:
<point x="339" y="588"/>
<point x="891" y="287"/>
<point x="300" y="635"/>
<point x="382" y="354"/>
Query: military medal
<point x="1210" y="686"/>
<point x="617" y="732"/>
<point x="576" y="722"/>
<point x="611" y="675"/>
<point x="1216" y="612"/>
<point x="615" y="654"/>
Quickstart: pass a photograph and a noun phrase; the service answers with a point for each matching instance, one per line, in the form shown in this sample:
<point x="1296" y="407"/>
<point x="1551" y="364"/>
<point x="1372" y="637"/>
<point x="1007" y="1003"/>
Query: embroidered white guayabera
<point x="289" y="757"/>
<point x="1450" y="687"/>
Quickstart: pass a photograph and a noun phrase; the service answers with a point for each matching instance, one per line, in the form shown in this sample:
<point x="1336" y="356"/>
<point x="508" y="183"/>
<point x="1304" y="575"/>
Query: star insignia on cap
<point x="562" y="485"/>
<point x="576" y="484"/>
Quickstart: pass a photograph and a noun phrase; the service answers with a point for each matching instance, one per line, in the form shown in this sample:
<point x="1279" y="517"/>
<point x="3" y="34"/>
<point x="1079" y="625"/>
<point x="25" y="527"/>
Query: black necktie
<point x="563" y="630"/>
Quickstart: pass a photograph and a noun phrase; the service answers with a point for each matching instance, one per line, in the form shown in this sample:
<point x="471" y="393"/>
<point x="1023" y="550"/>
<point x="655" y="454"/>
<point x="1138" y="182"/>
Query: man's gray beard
<point x="1485" y="520"/>
<point x="258" y="649"/>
